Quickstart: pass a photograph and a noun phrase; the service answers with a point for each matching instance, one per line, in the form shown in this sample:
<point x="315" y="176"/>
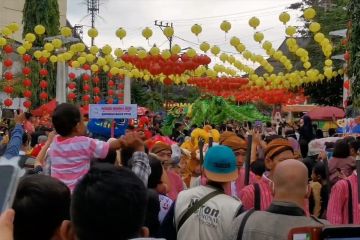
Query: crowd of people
<point x="192" y="186"/>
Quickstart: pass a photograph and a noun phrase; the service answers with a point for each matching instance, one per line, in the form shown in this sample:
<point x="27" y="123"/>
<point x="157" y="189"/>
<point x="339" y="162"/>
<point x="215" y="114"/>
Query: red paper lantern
<point x="72" y="86"/>
<point x="86" y="77"/>
<point x="347" y="84"/>
<point x="86" y="98"/>
<point x="168" y="81"/>
<point x="27" y="93"/>
<point x="26" y="58"/>
<point x="43" y="60"/>
<point x="86" y="87"/>
<point x="8" y="76"/>
<point x="26" y="71"/>
<point x="109" y="75"/>
<point x="27" y="104"/>
<point x="111" y="83"/>
<point x="8" y="49"/>
<point x="43" y="72"/>
<point x="121" y="95"/>
<point x="111" y="92"/>
<point x="110" y="101"/>
<point x="43" y="96"/>
<point x="9" y="89"/>
<point x="121" y="86"/>
<point x="27" y="82"/>
<point x="8" y="62"/>
<point x="96" y="90"/>
<point x="71" y="96"/>
<point x="72" y="75"/>
<point x="8" y="102"/>
<point x="86" y="66"/>
<point x="97" y="99"/>
<point x="96" y="80"/>
<point x="43" y="84"/>
<point x="121" y="101"/>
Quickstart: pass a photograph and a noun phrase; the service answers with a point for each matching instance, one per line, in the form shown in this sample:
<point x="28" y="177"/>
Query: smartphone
<point x="343" y="232"/>
<point x="305" y="233"/>
<point x="8" y="184"/>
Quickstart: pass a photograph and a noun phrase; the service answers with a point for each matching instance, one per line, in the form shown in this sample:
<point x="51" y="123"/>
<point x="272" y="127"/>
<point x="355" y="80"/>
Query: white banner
<point x="112" y="111"/>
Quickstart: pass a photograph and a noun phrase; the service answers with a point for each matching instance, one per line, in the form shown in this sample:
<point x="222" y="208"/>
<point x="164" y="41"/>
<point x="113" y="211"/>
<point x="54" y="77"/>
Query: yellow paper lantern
<point x="147" y="33"/>
<point x="176" y="49"/>
<point x="45" y="54"/>
<point x="284" y="17"/>
<point x="37" y="54"/>
<point x="14" y="27"/>
<point x="132" y="51"/>
<point x="223" y="57"/>
<point x="314" y="27"/>
<point x="75" y="64"/>
<point x="93" y="32"/>
<point x="307" y="65"/>
<point x="114" y="70"/>
<point x="191" y="53"/>
<point x="101" y="61"/>
<point x="168" y="32"/>
<point x="215" y="50"/>
<point x="240" y="48"/>
<point x="319" y="37"/>
<point x="30" y="37"/>
<point x="6" y="31"/>
<point x="67" y="56"/>
<point x="254" y="22"/>
<point x="53" y="59"/>
<point x="21" y="50"/>
<point x="81" y="60"/>
<point x="166" y="54"/>
<point x="328" y="62"/>
<point x="246" y="54"/>
<point x="154" y="51"/>
<point x="196" y="29"/>
<point x="234" y="41"/>
<point x="94" y="50"/>
<point x="94" y="68"/>
<point x="66" y="31"/>
<point x="118" y="52"/>
<point x="106" y="49"/>
<point x="90" y="58"/>
<point x="225" y="26"/>
<point x="39" y="29"/>
<point x="120" y="33"/>
<point x="60" y="58"/>
<point x="258" y="37"/>
<point x="341" y="71"/>
<point x="48" y="47"/>
<point x="309" y="13"/>
<point x="290" y="30"/>
<point x="204" y="46"/>
<point x="2" y="41"/>
<point x="57" y="43"/>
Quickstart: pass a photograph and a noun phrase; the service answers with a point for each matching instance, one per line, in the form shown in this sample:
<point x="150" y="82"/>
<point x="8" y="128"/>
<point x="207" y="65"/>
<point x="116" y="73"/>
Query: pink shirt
<point x="176" y="184"/>
<point x="70" y="158"/>
<point x="240" y="183"/>
<point x="337" y="211"/>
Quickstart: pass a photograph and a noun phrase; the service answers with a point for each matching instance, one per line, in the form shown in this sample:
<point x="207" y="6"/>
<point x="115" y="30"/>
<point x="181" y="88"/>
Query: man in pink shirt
<point x="344" y="207"/>
<point x="260" y="193"/>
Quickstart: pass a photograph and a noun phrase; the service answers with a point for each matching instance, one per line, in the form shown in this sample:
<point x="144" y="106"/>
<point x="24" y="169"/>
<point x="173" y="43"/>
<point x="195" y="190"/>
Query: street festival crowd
<point x="193" y="185"/>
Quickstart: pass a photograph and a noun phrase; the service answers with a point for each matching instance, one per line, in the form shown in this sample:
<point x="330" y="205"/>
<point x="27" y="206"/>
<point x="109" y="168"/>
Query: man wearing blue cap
<point x="205" y="212"/>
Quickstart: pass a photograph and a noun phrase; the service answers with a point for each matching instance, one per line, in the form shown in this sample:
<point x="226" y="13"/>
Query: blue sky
<point x="135" y="15"/>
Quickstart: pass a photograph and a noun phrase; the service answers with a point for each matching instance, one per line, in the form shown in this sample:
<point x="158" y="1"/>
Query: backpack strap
<point x="243" y="223"/>
<point x="196" y="206"/>
<point x="257" y="197"/>
<point x="350" y="203"/>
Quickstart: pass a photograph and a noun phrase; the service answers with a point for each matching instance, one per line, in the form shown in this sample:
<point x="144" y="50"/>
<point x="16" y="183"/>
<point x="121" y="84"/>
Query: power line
<point x="163" y="25"/>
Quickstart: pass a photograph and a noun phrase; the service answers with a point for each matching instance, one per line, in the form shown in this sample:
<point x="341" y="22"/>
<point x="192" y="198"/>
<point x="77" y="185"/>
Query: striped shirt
<point x="337" y="211"/>
<point x="247" y="194"/>
<point x="70" y="158"/>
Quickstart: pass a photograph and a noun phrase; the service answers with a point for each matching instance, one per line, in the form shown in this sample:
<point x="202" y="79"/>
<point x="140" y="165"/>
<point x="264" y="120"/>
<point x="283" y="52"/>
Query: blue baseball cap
<point x="220" y="164"/>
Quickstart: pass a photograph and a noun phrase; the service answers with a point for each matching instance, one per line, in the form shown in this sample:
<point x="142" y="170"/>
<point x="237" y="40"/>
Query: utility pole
<point x="163" y="25"/>
<point x="93" y="7"/>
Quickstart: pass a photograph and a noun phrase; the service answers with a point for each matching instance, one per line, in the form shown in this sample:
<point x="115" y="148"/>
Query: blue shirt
<point x="14" y="145"/>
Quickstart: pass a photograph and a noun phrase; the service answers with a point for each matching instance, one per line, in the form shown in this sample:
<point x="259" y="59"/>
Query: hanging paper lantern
<point x="49" y="47"/>
<point x="8" y="49"/>
<point x="319" y="37"/>
<point x="86" y="77"/>
<point x="93" y="33"/>
<point x="168" y="81"/>
<point x="6" y="31"/>
<point x="225" y="26"/>
<point x="43" y="60"/>
<point x="106" y="49"/>
<point x="8" y="76"/>
<point x="166" y="54"/>
<point x="14" y="27"/>
<point x="43" y="72"/>
<point x="72" y="75"/>
<point x="39" y="29"/>
<point x="154" y="51"/>
<point x="66" y="31"/>
<point x="71" y="96"/>
<point x="314" y="27"/>
<point x="132" y="51"/>
<point x="72" y="86"/>
<point x="94" y="68"/>
<point x="43" y="96"/>
<point x="96" y="90"/>
<point x="176" y="49"/>
<point x="27" y="45"/>
<point x="86" y="98"/>
<point x="204" y="46"/>
<point x="26" y="71"/>
<point x="2" y="41"/>
<point x="27" y="82"/>
<point x="27" y="93"/>
<point x="97" y="99"/>
<point x="284" y="17"/>
<point x="254" y="22"/>
<point x="215" y="50"/>
<point x="43" y="84"/>
<point x="258" y="37"/>
<point x="120" y="33"/>
<point x="8" y="62"/>
<point x="57" y="43"/>
<point x="191" y="53"/>
<point x="8" y="102"/>
<point x="290" y="30"/>
<point x="53" y="59"/>
<point x="27" y="104"/>
<point x="196" y="29"/>
<point x="309" y="13"/>
<point x="110" y="101"/>
<point x="21" y="50"/>
<point x="30" y="37"/>
<point x="147" y="33"/>
<point x="328" y="62"/>
<point x="86" y="87"/>
<point x="8" y="89"/>
<point x="168" y="32"/>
